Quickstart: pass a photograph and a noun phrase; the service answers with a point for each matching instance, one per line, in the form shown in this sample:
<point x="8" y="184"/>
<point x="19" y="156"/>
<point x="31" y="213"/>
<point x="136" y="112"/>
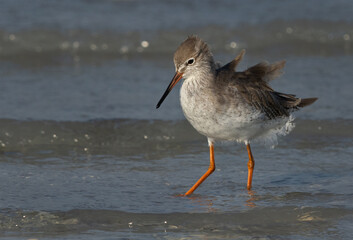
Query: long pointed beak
<point x="174" y="81"/>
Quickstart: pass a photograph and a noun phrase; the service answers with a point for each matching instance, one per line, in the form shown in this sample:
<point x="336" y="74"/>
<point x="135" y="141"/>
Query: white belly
<point x="235" y="122"/>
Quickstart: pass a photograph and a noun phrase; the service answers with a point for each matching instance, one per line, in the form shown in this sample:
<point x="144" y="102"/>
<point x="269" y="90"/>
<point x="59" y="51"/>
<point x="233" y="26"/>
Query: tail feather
<point x="289" y="101"/>
<point x="306" y="102"/>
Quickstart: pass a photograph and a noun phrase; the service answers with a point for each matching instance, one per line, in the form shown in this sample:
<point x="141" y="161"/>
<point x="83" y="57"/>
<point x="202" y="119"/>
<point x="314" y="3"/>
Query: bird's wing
<point x="253" y="85"/>
<point x="231" y="66"/>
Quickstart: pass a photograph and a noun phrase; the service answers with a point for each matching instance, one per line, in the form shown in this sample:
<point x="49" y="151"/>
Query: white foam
<point x="270" y="138"/>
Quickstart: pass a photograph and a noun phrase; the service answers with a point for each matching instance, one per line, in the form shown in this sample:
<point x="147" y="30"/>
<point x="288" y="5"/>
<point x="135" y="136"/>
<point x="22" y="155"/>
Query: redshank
<point x="223" y="104"/>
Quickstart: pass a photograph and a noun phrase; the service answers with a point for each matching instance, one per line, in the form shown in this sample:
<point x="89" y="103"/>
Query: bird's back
<point x="252" y="87"/>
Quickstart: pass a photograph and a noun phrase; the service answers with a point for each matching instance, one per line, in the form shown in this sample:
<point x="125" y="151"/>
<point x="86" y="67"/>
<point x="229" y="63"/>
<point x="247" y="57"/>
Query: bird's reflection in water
<point x="250" y="202"/>
<point x="208" y="201"/>
<point x="205" y="202"/>
<point x="202" y="201"/>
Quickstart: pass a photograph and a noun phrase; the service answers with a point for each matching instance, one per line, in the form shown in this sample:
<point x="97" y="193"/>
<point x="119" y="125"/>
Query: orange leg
<point x="210" y="170"/>
<point x="251" y="165"/>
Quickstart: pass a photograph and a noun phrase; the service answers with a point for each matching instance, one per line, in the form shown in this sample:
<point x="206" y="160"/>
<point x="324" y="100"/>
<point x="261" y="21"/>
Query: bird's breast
<point x="195" y="101"/>
<point x="215" y="117"/>
<point x="200" y="107"/>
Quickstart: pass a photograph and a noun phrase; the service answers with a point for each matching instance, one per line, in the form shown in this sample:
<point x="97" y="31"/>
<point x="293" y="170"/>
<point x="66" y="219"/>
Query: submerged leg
<point x="251" y="165"/>
<point x="210" y="170"/>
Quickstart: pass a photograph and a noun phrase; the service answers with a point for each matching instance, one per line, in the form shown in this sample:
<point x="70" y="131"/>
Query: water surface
<point x="84" y="154"/>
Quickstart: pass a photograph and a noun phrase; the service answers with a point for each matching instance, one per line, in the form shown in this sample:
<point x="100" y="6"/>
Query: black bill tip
<point x="174" y="81"/>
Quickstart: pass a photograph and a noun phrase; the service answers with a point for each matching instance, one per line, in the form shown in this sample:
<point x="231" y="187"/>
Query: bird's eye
<point x="191" y="61"/>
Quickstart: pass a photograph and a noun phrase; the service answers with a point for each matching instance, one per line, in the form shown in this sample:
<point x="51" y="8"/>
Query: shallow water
<point x="84" y="154"/>
<point x="121" y="178"/>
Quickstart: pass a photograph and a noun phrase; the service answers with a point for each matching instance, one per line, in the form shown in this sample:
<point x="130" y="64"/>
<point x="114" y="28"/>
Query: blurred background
<point x="81" y="60"/>
<point x="84" y="154"/>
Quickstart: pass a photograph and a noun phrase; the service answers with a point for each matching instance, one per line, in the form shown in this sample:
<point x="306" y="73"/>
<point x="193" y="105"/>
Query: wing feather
<point x="253" y="86"/>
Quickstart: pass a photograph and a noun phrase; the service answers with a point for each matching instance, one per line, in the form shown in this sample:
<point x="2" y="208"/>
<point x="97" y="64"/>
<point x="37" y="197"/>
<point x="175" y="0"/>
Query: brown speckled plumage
<point x="224" y="104"/>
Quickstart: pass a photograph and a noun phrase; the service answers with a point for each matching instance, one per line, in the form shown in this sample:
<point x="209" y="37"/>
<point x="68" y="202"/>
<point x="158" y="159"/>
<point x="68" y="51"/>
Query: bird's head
<point x="191" y="57"/>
